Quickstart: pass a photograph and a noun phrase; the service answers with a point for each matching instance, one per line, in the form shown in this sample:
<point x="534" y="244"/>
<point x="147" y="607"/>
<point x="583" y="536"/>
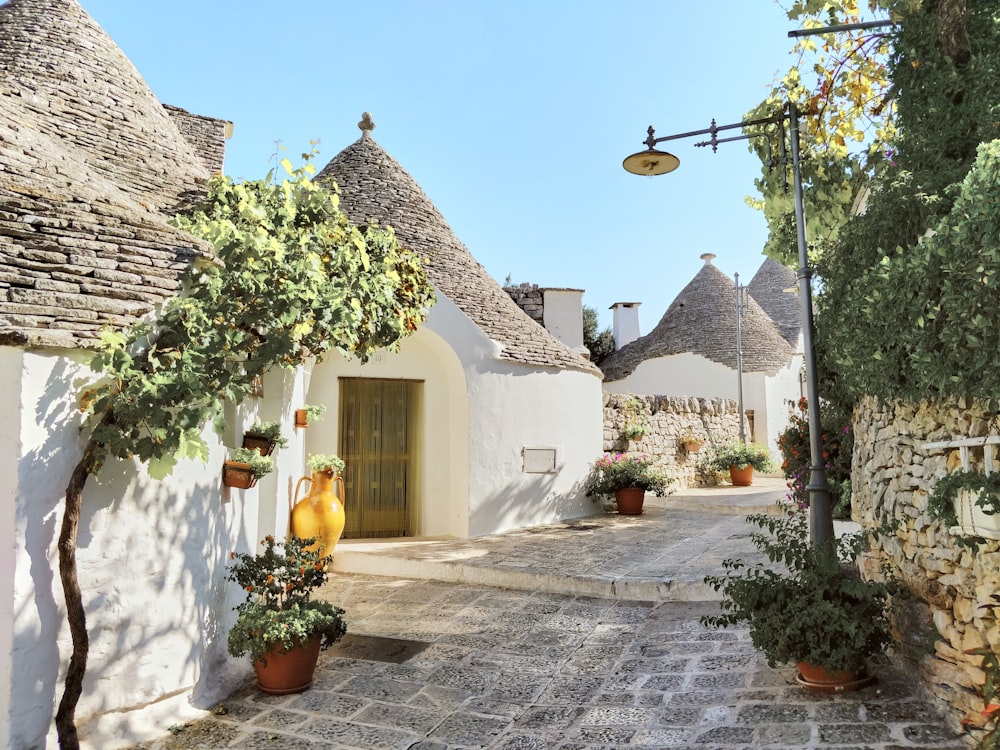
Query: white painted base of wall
<point x="124" y="728"/>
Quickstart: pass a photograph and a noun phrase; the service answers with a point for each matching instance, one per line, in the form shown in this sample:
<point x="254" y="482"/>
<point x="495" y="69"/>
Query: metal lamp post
<point x="654" y="162"/>
<point x="739" y="356"/>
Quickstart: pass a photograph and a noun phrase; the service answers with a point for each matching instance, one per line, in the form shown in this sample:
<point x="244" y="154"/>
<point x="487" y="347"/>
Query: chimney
<point x="562" y="316"/>
<point x="625" y="324"/>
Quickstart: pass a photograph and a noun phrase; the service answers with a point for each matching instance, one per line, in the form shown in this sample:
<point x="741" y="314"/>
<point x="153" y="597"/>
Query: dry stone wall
<point x="530" y="298"/>
<point x="892" y="475"/>
<point x="666" y="420"/>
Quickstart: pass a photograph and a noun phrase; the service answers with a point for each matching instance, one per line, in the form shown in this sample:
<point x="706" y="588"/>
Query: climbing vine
<point x="841" y="86"/>
<point x="294" y="280"/>
<point x="908" y="307"/>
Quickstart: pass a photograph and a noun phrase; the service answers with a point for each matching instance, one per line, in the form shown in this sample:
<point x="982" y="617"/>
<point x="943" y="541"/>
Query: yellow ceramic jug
<point x="319" y="514"/>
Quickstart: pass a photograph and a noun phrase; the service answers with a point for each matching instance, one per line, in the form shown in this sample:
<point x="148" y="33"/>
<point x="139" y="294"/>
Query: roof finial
<point x="366" y="125"/>
<point x="708" y="258"/>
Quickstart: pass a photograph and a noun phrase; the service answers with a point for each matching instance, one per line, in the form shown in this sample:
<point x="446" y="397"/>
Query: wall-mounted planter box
<point x="263" y="445"/>
<point x="238" y="475"/>
<point x="972" y="521"/>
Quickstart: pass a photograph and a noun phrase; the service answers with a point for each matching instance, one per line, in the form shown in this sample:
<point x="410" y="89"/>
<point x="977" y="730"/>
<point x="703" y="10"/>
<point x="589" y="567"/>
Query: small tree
<point x="295" y="280"/>
<point x="600" y="344"/>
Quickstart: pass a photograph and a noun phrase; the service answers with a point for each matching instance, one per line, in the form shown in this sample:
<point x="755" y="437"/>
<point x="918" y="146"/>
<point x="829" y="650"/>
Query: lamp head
<point x="651" y="162"/>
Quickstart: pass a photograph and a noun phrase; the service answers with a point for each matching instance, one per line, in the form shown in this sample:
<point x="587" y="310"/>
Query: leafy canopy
<point x="294" y="281"/>
<point x="840" y="85"/>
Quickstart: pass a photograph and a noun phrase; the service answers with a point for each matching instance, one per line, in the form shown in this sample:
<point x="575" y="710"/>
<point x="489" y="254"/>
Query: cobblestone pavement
<point x="440" y="665"/>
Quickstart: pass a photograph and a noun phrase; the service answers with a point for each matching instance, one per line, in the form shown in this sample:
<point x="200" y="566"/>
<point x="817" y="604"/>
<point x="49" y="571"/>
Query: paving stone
<point x="766" y="713"/>
<point x="930" y="735"/>
<point x="279" y="718"/>
<point x="616" y="716"/>
<point x="507" y="669"/>
<point x="381" y="689"/>
<point x="549" y="717"/>
<point x="852" y="733"/>
<point x="327" y="704"/>
<point x="728" y="735"/>
<point x="661" y="738"/>
<point x="469" y="730"/>
<point x="264" y="740"/>
<point x="784" y="734"/>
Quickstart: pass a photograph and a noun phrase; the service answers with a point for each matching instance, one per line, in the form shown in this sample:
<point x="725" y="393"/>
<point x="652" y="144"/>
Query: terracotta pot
<point x="319" y="514"/>
<point x="301" y="418"/>
<point x="630" y="501"/>
<point x="289" y="672"/>
<point x="820" y="680"/>
<point x="741" y="477"/>
<point x="238" y="475"/>
<point x="693" y="446"/>
<point x="263" y="445"/>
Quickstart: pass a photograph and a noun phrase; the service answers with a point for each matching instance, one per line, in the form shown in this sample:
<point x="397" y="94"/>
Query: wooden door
<point x="378" y="444"/>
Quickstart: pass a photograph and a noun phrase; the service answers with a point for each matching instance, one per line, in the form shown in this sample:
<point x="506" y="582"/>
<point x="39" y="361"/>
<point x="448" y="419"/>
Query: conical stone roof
<point x="77" y="86"/>
<point x="702" y="320"/>
<point x="88" y="158"/>
<point x="768" y="287"/>
<point x="373" y="185"/>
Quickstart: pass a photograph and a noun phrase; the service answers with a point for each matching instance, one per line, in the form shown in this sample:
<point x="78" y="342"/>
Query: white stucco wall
<point x="479" y="413"/>
<point x="562" y="316"/>
<point x="444" y="452"/>
<point x="151" y="560"/>
<point x="512" y="407"/>
<point x="10" y="429"/>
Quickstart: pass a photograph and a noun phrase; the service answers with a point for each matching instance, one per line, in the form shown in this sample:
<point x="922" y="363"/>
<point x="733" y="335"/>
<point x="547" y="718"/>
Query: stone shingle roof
<point x="373" y="185"/>
<point x="90" y="166"/>
<point x="767" y="287"/>
<point x="702" y="320"/>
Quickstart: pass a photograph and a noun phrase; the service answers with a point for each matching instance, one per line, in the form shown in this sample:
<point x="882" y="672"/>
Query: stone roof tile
<point x="373" y="185"/>
<point x="768" y="287"/>
<point x="90" y="164"/>
<point x="702" y="320"/>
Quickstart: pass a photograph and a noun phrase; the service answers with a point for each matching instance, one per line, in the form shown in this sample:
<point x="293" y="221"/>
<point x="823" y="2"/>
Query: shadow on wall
<point x="151" y="558"/>
<point x="535" y="505"/>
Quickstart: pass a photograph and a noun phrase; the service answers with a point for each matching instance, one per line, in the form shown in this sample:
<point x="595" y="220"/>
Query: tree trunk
<point x="75" y="615"/>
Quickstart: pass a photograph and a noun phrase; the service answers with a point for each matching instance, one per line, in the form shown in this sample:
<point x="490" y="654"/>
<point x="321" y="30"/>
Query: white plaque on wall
<point x="539" y="460"/>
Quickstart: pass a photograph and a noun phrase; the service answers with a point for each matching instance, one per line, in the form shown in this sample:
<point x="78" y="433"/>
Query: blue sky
<point x="513" y="116"/>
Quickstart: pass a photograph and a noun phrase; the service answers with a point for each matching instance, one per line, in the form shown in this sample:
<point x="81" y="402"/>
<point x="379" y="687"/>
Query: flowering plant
<point x="279" y="608"/>
<point x="742" y="455"/>
<point x="618" y="471"/>
<point x="837" y="443"/>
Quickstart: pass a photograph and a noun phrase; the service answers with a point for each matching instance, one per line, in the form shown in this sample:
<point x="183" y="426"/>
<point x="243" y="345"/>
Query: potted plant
<point x="807" y="605"/>
<point x="628" y="478"/>
<point x="330" y="464"/>
<point x="633" y="412"/>
<point x="310" y="413"/>
<point x="279" y="625"/>
<point x="740" y="459"/>
<point x="264" y="437"/>
<point x="968" y="501"/>
<point x="320" y="514"/>
<point x="692" y="442"/>
<point x="244" y="467"/>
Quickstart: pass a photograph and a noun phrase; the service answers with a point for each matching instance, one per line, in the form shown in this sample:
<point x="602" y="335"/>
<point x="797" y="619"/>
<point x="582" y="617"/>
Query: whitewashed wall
<point x="151" y="558"/>
<point x="479" y="412"/>
<point x="444" y="451"/>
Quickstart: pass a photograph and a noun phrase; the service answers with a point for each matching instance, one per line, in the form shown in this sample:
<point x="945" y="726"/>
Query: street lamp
<point x="740" y="290"/>
<point x="654" y="162"/>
